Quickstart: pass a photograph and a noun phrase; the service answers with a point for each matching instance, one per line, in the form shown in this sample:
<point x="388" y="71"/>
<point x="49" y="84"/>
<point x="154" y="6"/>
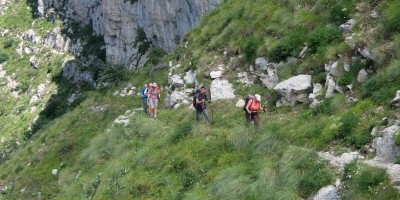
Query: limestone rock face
<point x="126" y="24"/>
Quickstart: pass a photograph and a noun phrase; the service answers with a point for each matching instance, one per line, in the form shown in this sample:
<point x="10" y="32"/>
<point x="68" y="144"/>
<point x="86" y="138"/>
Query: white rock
<point x="365" y="53"/>
<point x="303" y="52"/>
<point x="215" y="74"/>
<point x="176" y="80"/>
<point x="330" y="84"/>
<point x="176" y="106"/>
<point x="317" y="89"/>
<point x="271" y="79"/>
<point x="240" y="103"/>
<point x="34" y="99"/>
<point x="261" y="63"/>
<point x="122" y="119"/>
<point x="339" y="161"/>
<point x="348" y="26"/>
<point x="328" y="193"/>
<point x="396" y="99"/>
<point x="346" y="67"/>
<point x="221" y="89"/>
<point x="190" y="77"/>
<point x="335" y="69"/>
<point x="294" y="89"/>
<point x="386" y="149"/>
<point x="362" y="76"/>
<point x="54" y="172"/>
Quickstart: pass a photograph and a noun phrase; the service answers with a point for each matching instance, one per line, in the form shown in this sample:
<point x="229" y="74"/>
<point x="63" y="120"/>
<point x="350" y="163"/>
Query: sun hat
<point x="258" y="97"/>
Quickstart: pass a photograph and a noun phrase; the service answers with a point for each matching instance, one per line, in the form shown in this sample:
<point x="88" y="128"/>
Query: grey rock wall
<point x="164" y="22"/>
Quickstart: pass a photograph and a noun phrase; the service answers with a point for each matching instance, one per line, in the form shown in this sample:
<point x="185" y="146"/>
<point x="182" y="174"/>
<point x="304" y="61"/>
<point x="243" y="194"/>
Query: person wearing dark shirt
<point x="201" y="98"/>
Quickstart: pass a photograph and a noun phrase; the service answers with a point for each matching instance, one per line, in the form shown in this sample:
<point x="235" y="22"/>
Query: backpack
<point x="246" y="101"/>
<point x="195" y="105"/>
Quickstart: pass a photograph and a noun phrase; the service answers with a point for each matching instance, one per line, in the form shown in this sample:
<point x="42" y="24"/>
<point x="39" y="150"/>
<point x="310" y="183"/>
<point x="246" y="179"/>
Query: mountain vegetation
<point x="102" y="146"/>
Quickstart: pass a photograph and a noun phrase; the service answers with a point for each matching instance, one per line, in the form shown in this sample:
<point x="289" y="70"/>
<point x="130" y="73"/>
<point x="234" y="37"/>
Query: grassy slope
<point x="172" y="158"/>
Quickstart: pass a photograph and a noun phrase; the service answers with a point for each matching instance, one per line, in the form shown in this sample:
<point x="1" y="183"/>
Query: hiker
<point x="153" y="95"/>
<point x="199" y="103"/>
<point x="143" y="92"/>
<point x="251" y="108"/>
<point x="150" y="85"/>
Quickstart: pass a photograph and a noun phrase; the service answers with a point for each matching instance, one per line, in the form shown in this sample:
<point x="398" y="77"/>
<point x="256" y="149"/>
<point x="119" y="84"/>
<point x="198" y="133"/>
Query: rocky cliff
<point x="130" y="26"/>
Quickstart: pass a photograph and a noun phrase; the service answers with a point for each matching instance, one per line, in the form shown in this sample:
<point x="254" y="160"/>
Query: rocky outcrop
<point x="221" y="89"/>
<point x="129" y="27"/>
<point x="293" y="90"/>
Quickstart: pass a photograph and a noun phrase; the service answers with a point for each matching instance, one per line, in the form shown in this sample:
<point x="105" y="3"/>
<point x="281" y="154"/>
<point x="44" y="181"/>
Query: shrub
<point x="347" y="121"/>
<point x="391" y="18"/>
<point x="382" y="87"/>
<point x="288" y="46"/>
<point x="397" y="139"/>
<point x="8" y="44"/>
<point x="155" y="55"/>
<point x="3" y="57"/>
<point x="110" y="75"/>
<point x="346" y="79"/>
<point x="250" y="48"/>
<point x="340" y="12"/>
<point x="322" y="36"/>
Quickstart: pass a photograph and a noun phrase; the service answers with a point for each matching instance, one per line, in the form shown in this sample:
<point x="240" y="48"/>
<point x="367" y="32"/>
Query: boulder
<point x="261" y="63"/>
<point x="362" y="76"/>
<point x="365" y="53"/>
<point x="294" y="89"/>
<point x="348" y="26"/>
<point x="330" y="85"/>
<point x="221" y="89"/>
<point x="240" y="103"/>
<point x="54" y="172"/>
<point x="317" y="89"/>
<point x="330" y="192"/>
<point x="335" y="69"/>
<point x="386" y="149"/>
<point x="303" y="52"/>
<point x="215" y="74"/>
<point x="271" y="79"/>
<point x="244" y="78"/>
<point x="190" y="77"/>
<point x="176" y="80"/>
<point x="396" y="100"/>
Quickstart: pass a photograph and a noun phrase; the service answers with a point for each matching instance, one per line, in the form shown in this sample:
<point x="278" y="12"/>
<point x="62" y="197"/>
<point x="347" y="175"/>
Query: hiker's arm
<point x="261" y="107"/>
<point x="248" y="106"/>
<point x="197" y="100"/>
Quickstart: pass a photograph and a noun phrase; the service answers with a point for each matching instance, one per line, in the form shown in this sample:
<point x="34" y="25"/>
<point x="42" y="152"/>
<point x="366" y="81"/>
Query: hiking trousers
<point x="144" y="104"/>
<point x="252" y="116"/>
<point x="198" y="115"/>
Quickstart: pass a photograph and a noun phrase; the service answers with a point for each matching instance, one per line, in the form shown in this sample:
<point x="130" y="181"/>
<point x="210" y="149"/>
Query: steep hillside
<point x="330" y="133"/>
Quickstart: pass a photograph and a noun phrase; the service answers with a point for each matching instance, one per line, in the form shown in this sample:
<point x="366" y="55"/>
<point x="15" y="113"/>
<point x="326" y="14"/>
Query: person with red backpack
<point x="153" y="97"/>
<point x="253" y="104"/>
<point x="199" y="103"/>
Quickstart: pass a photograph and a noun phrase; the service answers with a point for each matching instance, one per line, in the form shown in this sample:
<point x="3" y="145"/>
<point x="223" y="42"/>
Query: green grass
<point x="174" y="158"/>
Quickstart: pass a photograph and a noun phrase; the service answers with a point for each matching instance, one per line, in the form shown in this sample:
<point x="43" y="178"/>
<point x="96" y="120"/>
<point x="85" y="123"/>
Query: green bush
<point x="397" y="139"/>
<point x="383" y="86"/>
<point x="250" y="48"/>
<point x="347" y="121"/>
<point x="322" y="36"/>
<point x="346" y="79"/>
<point x="289" y="45"/>
<point x="341" y="11"/>
<point x="3" y="57"/>
<point x="111" y="75"/>
<point x="8" y="44"/>
<point x="391" y="17"/>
